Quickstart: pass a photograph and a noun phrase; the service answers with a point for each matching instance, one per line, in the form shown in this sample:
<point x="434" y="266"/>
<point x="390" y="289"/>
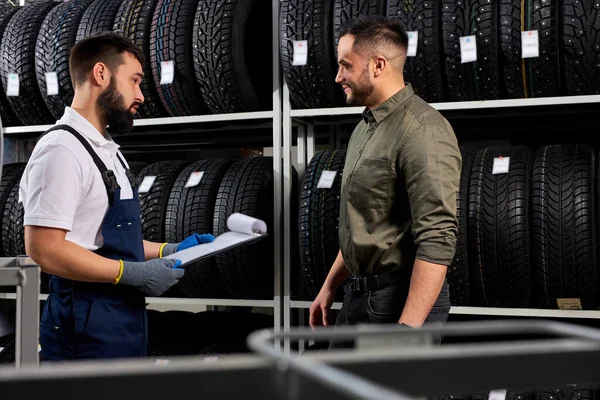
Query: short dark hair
<point x="371" y="31"/>
<point x="105" y="47"/>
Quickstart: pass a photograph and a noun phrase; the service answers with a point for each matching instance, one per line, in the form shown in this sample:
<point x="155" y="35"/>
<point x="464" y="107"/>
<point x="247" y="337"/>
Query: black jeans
<point x="384" y="306"/>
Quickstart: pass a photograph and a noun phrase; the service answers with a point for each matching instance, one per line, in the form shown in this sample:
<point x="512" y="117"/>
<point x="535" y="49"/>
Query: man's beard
<point x="361" y="90"/>
<point x="118" y="117"/>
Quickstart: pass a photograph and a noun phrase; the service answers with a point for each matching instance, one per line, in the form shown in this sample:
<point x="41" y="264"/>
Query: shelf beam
<point x="491" y="311"/>
<point x="461" y="105"/>
<point x="174" y="301"/>
<point x="154" y="122"/>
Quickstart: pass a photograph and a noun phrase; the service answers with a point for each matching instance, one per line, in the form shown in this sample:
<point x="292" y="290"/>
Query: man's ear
<point x="100" y="75"/>
<point x="379" y="65"/>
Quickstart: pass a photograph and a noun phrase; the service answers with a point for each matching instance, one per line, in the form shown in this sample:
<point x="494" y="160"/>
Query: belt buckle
<point x="355" y="284"/>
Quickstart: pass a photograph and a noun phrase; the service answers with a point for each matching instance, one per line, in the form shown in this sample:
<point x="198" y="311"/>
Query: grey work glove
<point x="152" y="277"/>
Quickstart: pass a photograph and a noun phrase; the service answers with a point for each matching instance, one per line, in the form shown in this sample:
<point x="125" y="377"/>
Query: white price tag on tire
<point x="468" y="49"/>
<point x="530" y="44"/>
<point x="12" y="87"/>
<point x="413" y="41"/>
<point x="326" y="179"/>
<point x="51" y="83"/>
<point x="194" y="179"/>
<point x="501" y="165"/>
<point x="498" y="394"/>
<point x="167" y="72"/>
<point x="300" y="56"/>
<point x="146" y="184"/>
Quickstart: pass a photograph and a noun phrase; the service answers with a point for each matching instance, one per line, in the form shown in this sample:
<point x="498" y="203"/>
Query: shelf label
<point x="12" y="87"/>
<point x="413" y="40"/>
<point x="530" y="44"/>
<point x="146" y="184"/>
<point x="569" y="304"/>
<point x="326" y="180"/>
<point x="468" y="49"/>
<point x="161" y="362"/>
<point x="498" y="394"/>
<point x="194" y="179"/>
<point x="501" y="165"/>
<point x="300" y="56"/>
<point x="167" y="72"/>
<point x="51" y="83"/>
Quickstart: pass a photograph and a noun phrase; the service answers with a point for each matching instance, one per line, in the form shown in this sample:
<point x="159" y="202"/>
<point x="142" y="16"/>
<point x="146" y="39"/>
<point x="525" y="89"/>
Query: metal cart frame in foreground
<point x="23" y="273"/>
<point x="385" y="373"/>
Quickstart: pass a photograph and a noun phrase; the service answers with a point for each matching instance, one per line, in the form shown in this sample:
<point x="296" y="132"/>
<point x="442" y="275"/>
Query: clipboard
<point x="243" y="230"/>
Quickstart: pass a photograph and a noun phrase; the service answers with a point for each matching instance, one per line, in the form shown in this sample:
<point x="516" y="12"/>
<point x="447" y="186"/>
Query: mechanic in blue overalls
<point x="82" y="215"/>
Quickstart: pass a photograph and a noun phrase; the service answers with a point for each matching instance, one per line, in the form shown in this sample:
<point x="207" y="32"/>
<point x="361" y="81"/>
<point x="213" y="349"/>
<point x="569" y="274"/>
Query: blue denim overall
<point x="84" y="320"/>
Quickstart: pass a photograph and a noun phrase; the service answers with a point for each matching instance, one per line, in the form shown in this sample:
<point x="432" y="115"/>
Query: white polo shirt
<point x="62" y="187"/>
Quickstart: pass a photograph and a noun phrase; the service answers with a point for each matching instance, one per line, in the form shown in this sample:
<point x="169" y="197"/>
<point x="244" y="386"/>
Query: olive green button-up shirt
<point x="399" y="188"/>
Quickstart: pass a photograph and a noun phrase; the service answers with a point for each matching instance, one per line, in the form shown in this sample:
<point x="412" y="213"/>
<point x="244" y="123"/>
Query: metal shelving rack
<point x="216" y="122"/>
<point x="284" y="121"/>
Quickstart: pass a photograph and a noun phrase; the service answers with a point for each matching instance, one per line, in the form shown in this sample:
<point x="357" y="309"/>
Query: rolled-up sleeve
<point x="430" y="164"/>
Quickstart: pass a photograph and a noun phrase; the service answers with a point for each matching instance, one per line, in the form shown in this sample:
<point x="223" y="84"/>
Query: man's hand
<point x="153" y="277"/>
<point x="319" y="310"/>
<point x="190" y="241"/>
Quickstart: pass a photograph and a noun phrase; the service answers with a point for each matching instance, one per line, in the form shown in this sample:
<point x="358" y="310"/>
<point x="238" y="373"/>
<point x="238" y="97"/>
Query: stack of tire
<point x="174" y="208"/>
<point x="217" y="50"/>
<point x="568" y="61"/>
<point x="526" y="237"/>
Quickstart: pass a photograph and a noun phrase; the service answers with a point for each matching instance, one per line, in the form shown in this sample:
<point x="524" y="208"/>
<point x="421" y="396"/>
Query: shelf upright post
<point x="287" y="201"/>
<point x="277" y="175"/>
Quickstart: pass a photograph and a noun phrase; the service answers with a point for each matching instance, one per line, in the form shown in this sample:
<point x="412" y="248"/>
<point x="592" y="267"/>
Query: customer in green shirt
<point x="397" y="221"/>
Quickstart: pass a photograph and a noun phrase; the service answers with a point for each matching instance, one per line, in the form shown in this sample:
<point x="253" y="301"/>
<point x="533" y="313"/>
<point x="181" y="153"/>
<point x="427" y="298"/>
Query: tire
<point x="498" y="229"/>
<point x="7" y="355"/>
<point x="99" y="17"/>
<point x="247" y="188"/>
<point x="52" y="52"/>
<point x="581" y="40"/>
<point x="136" y="166"/>
<point x="563" y="225"/>
<point x="529" y="77"/>
<point x="13" y="243"/>
<point x="171" y="39"/>
<point x="312" y="85"/>
<point x="346" y="10"/>
<point x="227" y="61"/>
<point x="18" y="56"/>
<point x="567" y="392"/>
<point x="319" y="219"/>
<point x="425" y="71"/>
<point x="458" y="272"/>
<point x="189" y="211"/>
<point x="134" y="20"/>
<point x="475" y="80"/>
<point x="6" y="112"/>
<point x="153" y="204"/>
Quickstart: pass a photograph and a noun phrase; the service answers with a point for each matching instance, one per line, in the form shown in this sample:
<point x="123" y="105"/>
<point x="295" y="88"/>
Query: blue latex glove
<point x="195" y="240"/>
<point x="188" y="242"/>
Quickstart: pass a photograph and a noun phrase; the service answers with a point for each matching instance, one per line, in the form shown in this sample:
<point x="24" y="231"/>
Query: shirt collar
<point x="380" y="112"/>
<point x="85" y="127"/>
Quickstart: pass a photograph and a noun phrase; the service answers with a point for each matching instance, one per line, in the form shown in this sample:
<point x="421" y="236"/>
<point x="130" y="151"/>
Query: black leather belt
<point x="369" y="283"/>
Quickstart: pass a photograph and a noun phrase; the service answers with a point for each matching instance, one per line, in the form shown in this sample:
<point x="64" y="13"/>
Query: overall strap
<point x="108" y="176"/>
<point x="127" y="170"/>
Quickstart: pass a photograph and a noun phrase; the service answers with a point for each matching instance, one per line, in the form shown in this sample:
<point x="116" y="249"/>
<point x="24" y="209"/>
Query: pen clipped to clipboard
<point x="243" y="230"/>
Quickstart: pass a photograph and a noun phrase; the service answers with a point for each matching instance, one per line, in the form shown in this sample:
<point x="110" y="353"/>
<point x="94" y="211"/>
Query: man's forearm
<point x="71" y="261"/>
<point x="337" y="274"/>
<point x="151" y="250"/>
<point x="425" y="286"/>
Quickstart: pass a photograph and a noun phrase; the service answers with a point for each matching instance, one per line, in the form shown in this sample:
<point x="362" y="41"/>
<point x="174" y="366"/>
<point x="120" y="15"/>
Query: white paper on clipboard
<point x="242" y="230"/>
